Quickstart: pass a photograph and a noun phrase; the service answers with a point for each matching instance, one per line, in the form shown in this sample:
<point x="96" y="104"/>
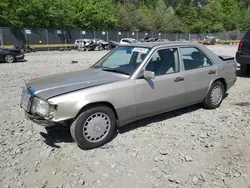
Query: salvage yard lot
<point x="191" y="147"/>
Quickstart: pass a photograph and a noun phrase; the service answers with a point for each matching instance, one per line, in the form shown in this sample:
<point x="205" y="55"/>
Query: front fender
<point x="120" y="95"/>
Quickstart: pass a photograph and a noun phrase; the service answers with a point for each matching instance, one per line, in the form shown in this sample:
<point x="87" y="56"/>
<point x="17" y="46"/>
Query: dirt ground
<point x="191" y="147"/>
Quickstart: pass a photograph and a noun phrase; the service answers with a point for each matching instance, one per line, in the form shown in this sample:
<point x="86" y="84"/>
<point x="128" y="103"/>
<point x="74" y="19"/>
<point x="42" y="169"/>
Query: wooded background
<point x="182" y="16"/>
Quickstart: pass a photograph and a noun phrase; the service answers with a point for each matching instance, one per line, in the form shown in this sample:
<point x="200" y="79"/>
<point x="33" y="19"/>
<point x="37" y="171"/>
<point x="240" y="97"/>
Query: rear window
<point x="247" y="36"/>
<point x="125" y="40"/>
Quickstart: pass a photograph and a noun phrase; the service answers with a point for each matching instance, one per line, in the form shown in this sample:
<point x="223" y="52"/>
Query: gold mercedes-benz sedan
<point x="131" y="82"/>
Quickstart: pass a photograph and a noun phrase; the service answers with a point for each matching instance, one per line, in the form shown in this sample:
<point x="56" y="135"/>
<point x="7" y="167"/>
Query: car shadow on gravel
<point x="157" y="118"/>
<point x="57" y="135"/>
<point x="62" y="135"/>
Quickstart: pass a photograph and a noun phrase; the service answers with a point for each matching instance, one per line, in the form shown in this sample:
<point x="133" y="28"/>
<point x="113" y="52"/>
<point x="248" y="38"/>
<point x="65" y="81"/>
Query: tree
<point x="190" y="17"/>
<point x="194" y="16"/>
<point x="212" y="17"/>
<point x="3" y="16"/>
<point x="230" y="8"/>
<point x="94" y="14"/>
<point x="145" y="19"/>
<point x="123" y="18"/>
<point x="245" y="4"/>
<point x="165" y="18"/>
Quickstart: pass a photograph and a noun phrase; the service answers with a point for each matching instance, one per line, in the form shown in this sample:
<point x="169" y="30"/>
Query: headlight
<point x="41" y="107"/>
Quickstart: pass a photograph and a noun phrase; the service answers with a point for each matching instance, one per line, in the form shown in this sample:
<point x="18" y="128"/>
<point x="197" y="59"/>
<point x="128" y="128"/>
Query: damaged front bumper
<point x="39" y="120"/>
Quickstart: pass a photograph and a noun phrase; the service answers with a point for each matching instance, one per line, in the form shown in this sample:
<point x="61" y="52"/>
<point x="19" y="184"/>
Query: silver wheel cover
<point x="9" y="58"/>
<point x="96" y="127"/>
<point x="216" y="94"/>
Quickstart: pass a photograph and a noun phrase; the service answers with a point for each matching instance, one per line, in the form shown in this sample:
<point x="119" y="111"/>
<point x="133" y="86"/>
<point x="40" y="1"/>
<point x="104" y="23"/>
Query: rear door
<point x="246" y="44"/>
<point x="198" y="73"/>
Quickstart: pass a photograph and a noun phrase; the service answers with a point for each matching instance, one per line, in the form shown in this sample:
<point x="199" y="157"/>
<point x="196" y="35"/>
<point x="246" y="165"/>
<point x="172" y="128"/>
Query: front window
<point x="164" y="61"/>
<point x="123" y="60"/>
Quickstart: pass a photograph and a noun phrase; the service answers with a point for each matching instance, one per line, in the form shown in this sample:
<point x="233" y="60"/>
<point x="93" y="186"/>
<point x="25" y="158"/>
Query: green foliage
<point x="93" y="14"/>
<point x="192" y="16"/>
<point x="212" y="17"/>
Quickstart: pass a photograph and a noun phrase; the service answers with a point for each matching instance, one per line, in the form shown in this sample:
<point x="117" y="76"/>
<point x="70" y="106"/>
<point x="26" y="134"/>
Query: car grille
<point x="26" y="99"/>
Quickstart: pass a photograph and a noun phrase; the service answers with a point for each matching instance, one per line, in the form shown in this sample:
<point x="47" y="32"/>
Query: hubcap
<point x="216" y="95"/>
<point x="96" y="127"/>
<point x="9" y="58"/>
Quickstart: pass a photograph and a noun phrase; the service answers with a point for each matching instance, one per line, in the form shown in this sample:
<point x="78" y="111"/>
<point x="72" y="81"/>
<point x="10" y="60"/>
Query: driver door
<point x="166" y="91"/>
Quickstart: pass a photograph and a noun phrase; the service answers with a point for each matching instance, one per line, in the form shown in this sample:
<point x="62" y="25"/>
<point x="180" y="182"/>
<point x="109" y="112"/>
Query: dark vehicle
<point x="243" y="54"/>
<point x="25" y="48"/>
<point x="11" y="55"/>
<point x="112" y="44"/>
<point x="93" y="45"/>
<point x="147" y="39"/>
<point x="209" y="40"/>
<point x="104" y="44"/>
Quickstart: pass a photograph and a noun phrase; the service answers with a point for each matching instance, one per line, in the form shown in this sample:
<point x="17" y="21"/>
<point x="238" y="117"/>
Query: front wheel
<point x="215" y="96"/>
<point x="9" y="58"/>
<point x="94" y="127"/>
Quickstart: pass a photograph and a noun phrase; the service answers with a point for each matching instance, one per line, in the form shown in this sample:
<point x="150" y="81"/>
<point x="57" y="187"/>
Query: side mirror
<point x="148" y="74"/>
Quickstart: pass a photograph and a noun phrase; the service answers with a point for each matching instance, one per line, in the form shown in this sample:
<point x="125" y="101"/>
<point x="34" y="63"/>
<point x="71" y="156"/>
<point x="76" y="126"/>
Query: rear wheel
<point x="94" y="127"/>
<point x="215" y="96"/>
<point x="244" y="69"/>
<point x="9" y="58"/>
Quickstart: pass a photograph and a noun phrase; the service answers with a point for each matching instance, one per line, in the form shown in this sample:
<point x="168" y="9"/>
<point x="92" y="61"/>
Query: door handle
<point x="179" y="79"/>
<point x="212" y="72"/>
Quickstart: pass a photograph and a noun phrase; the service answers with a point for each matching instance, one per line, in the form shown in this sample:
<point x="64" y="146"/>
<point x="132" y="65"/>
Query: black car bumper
<point x="242" y="58"/>
<point x="20" y="57"/>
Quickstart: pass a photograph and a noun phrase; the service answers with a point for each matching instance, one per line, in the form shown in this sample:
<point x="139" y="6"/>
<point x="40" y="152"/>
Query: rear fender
<point x="214" y="80"/>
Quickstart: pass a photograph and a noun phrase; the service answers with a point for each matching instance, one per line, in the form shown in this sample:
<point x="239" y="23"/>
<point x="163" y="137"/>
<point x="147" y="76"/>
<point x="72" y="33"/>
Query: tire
<point x="100" y="48"/>
<point x="244" y="68"/>
<point x="215" y="96"/>
<point x="98" y="124"/>
<point x="9" y="58"/>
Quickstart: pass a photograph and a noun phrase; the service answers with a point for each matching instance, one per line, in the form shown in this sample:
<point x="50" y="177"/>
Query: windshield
<point x="123" y="60"/>
<point x="209" y="37"/>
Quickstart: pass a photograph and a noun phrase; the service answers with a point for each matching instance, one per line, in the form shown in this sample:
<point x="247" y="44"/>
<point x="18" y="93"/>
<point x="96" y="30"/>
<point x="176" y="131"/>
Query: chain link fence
<point x="51" y="37"/>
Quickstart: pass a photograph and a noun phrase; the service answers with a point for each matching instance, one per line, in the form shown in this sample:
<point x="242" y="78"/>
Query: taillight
<point x="240" y="47"/>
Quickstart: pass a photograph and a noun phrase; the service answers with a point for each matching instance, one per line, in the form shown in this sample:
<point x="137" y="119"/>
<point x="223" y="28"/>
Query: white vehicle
<point x="128" y="41"/>
<point x="212" y="37"/>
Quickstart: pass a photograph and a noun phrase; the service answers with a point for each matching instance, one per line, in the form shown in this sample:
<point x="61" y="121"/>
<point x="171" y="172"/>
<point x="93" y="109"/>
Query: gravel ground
<point x="191" y="147"/>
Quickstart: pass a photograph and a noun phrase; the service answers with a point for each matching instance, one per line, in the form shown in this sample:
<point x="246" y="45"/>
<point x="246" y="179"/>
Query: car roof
<point x="82" y="39"/>
<point x="128" y="39"/>
<point x="161" y="44"/>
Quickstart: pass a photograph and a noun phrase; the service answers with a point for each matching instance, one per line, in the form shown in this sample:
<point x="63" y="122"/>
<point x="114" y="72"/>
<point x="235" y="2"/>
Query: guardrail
<point x="43" y="46"/>
<point x="57" y="46"/>
<point x="230" y="42"/>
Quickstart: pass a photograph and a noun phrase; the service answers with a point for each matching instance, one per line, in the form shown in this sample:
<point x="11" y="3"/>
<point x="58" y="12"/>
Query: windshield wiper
<point x="116" y="71"/>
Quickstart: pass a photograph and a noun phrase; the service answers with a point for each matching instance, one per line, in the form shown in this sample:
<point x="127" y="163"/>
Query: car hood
<point x="12" y="50"/>
<point x="57" y="84"/>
